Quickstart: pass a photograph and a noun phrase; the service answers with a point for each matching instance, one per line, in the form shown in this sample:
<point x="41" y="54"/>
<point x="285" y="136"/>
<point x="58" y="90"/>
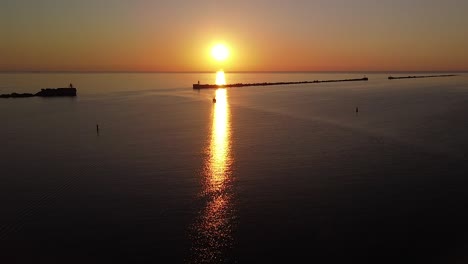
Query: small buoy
<point x="357" y="109"/>
<point x="97" y="128"/>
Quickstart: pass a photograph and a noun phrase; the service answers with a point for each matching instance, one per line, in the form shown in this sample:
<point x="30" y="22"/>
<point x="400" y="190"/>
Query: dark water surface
<point x="276" y="173"/>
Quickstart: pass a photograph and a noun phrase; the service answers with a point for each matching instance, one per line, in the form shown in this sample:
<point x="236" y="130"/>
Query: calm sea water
<point x="278" y="173"/>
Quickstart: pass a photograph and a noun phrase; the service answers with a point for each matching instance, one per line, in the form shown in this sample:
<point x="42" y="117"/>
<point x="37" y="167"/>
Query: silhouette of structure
<point x="421" y="76"/>
<point x="48" y="92"/>
<point x="215" y="86"/>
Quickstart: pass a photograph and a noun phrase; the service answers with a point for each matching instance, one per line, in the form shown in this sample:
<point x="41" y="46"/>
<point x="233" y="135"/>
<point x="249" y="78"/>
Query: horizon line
<point x="273" y="71"/>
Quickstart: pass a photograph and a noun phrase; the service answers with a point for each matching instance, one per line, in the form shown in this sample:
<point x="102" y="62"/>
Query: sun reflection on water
<point x="220" y="78"/>
<point x="219" y="146"/>
<point x="213" y="229"/>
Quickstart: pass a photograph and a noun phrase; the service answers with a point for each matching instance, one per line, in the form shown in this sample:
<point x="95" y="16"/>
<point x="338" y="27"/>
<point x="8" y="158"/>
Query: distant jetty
<point x="420" y="76"/>
<point x="215" y="86"/>
<point x="48" y="92"/>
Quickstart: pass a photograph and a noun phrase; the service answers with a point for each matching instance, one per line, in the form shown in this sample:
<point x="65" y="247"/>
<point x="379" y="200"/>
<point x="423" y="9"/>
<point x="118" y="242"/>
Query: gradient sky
<point x="159" y="35"/>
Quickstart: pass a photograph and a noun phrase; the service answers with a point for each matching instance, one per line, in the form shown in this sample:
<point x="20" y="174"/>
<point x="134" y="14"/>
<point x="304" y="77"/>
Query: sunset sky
<point x="158" y="35"/>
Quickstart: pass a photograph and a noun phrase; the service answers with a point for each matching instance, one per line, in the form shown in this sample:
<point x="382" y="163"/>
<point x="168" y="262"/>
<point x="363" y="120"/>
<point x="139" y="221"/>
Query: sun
<point x="220" y="52"/>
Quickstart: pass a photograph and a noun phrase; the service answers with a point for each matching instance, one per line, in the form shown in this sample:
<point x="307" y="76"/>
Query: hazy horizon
<point x="273" y="71"/>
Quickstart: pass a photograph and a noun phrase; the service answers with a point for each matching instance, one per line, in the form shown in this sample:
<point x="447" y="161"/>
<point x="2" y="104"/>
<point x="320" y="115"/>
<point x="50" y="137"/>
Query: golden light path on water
<point x="220" y="78"/>
<point x="214" y="226"/>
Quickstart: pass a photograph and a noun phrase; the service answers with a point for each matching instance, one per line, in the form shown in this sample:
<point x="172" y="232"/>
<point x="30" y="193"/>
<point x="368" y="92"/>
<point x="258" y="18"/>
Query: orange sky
<point x="320" y="35"/>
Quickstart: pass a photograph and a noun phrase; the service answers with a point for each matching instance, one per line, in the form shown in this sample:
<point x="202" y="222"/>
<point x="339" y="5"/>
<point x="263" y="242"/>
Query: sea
<point x="141" y="168"/>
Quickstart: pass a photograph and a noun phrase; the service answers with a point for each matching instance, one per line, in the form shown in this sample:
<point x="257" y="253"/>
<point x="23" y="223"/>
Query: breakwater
<point x="48" y="92"/>
<point x="215" y="86"/>
<point x="420" y="76"/>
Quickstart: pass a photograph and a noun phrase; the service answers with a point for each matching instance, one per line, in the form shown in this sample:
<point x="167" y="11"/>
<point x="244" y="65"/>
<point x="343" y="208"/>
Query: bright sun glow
<point x="220" y="78"/>
<point x="220" y="52"/>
